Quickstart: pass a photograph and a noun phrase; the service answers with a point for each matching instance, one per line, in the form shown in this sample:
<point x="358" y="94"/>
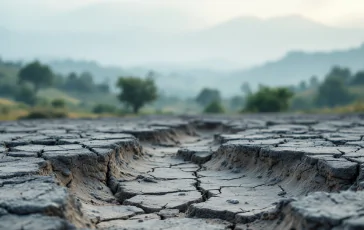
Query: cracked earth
<point x="248" y="172"/>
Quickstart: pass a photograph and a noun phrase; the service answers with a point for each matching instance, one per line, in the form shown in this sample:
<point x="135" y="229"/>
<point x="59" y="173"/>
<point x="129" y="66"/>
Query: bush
<point x="58" y="103"/>
<point x="268" y="100"/>
<point x="26" y="94"/>
<point x="214" y="107"/>
<point x="45" y="114"/>
<point x="104" y="108"/>
<point x="208" y="96"/>
<point x="333" y="92"/>
<point x="8" y="90"/>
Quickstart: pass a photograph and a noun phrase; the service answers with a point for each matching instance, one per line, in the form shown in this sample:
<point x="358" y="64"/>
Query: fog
<point x="225" y="41"/>
<point x="190" y="34"/>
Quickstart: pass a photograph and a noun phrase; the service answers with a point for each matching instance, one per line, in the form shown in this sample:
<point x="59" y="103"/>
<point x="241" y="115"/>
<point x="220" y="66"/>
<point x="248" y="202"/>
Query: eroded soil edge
<point x="191" y="173"/>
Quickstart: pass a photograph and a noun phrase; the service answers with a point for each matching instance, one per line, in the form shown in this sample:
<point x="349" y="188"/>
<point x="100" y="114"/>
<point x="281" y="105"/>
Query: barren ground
<point x="248" y="172"/>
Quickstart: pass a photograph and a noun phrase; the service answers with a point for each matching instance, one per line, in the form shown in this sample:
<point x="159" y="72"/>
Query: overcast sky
<point x="332" y="12"/>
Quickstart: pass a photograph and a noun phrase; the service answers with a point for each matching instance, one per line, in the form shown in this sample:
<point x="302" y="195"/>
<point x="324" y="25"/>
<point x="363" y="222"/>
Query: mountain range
<point x="187" y="53"/>
<point x="289" y="70"/>
<point x="130" y="34"/>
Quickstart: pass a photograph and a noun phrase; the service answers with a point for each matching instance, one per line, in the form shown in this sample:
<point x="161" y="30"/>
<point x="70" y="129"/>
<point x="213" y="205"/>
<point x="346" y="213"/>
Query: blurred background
<point x="91" y="58"/>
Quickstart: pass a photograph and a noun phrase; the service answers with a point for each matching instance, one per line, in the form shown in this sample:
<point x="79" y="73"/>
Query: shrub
<point x="333" y="92"/>
<point x="104" y="108"/>
<point x="26" y="94"/>
<point x="268" y="100"/>
<point x="45" y="114"/>
<point x="58" y="103"/>
<point x="214" y="107"/>
<point x="208" y="96"/>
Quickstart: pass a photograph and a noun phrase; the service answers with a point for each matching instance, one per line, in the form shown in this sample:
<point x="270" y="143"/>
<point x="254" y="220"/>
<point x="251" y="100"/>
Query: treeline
<point x="265" y="99"/>
<point x="22" y="83"/>
<point x="339" y="87"/>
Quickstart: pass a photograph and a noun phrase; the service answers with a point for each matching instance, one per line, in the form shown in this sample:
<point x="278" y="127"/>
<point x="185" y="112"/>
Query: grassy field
<point x="11" y="110"/>
<point x="51" y="94"/>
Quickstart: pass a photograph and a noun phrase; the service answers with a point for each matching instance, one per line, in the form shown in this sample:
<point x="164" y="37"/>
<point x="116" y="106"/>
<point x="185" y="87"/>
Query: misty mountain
<point x="297" y="66"/>
<point x="125" y="35"/>
<point x="291" y="69"/>
<point x="251" y="40"/>
<point x="126" y="16"/>
<point x="170" y="82"/>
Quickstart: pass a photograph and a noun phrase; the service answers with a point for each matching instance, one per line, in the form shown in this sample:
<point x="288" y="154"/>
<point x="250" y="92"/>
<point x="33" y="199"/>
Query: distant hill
<point x="178" y="82"/>
<point x="101" y="73"/>
<point x="104" y="32"/>
<point x="250" y="40"/>
<point x="297" y="66"/>
<point x="291" y="69"/>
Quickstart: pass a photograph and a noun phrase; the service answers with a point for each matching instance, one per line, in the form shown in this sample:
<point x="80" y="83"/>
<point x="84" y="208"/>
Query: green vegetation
<point x="58" y="103"/>
<point x="104" y="108"/>
<point x="34" y="91"/>
<point x="333" y="92"/>
<point x="214" y="107"/>
<point x="38" y="113"/>
<point x="340" y="90"/>
<point x="268" y="99"/>
<point x="39" y="75"/>
<point x="26" y="94"/>
<point x="208" y="96"/>
<point x="136" y="92"/>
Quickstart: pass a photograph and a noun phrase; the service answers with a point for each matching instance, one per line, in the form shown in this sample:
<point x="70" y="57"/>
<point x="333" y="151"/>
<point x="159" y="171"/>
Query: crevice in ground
<point x="98" y="177"/>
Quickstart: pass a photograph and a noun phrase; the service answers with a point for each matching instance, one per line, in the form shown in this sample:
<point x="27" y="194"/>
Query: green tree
<point x="333" y="92"/>
<point x="8" y="89"/>
<point x="214" y="107"/>
<point x="39" y="75"/>
<point x="136" y="92"/>
<point x="58" y="103"/>
<point x="26" y="94"/>
<point x="268" y="99"/>
<point x="207" y="96"/>
<point x="358" y="78"/>
<point x="86" y="82"/>
<point x="342" y="73"/>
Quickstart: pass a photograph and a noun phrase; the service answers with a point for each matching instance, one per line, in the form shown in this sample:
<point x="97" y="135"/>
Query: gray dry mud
<point x="251" y="172"/>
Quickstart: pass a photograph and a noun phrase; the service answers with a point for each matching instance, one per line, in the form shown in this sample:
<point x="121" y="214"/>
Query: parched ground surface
<point x="248" y="172"/>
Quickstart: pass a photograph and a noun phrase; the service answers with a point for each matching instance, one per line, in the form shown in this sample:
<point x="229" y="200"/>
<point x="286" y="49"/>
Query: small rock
<point x="232" y="201"/>
<point x="168" y="213"/>
<point x="66" y="172"/>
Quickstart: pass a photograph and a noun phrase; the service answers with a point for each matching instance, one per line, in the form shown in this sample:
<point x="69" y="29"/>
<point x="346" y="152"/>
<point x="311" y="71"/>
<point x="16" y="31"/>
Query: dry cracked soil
<point x="191" y="172"/>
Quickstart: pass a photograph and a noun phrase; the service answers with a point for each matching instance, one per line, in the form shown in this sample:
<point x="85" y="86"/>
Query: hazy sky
<point x="332" y="12"/>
